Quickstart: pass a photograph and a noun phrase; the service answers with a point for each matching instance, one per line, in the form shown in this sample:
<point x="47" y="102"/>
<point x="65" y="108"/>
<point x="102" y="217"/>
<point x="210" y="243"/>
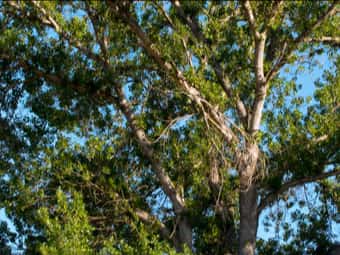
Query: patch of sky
<point x="69" y="12"/>
<point x="10" y="225"/>
<point x="306" y="77"/>
<point x="308" y="200"/>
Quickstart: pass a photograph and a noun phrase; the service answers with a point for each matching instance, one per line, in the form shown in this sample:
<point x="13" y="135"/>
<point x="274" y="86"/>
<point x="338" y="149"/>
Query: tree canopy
<point x="169" y="127"/>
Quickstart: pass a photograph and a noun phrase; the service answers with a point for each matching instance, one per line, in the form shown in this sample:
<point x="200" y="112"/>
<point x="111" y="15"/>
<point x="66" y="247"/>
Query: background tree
<point x="152" y="127"/>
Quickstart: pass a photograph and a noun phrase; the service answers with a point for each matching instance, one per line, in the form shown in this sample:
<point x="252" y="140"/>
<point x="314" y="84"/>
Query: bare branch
<point x="271" y="197"/>
<point x="335" y="108"/>
<point x="260" y="40"/>
<point x="172" y="123"/>
<point x="192" y="23"/>
<point x="261" y="83"/>
<point x="164" y="13"/>
<point x="49" y="19"/>
<point x="320" y="139"/>
<point x="13" y="4"/>
<point x="146" y="146"/>
<point x="285" y="53"/>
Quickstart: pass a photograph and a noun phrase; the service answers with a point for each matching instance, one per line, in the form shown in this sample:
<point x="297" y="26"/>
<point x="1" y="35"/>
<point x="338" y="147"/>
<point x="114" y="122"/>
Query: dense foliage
<point x="168" y="127"/>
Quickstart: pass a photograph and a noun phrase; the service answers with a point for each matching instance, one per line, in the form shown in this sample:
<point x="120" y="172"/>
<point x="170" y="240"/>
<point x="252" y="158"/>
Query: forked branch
<point x="214" y="115"/>
<point x="121" y="103"/>
<point x="223" y="79"/>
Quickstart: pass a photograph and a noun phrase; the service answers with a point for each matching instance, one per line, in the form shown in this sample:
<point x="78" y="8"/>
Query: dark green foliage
<point x="74" y="175"/>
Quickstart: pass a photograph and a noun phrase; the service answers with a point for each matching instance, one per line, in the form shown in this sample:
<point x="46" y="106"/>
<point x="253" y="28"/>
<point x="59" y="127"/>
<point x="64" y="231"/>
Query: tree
<point x="169" y="125"/>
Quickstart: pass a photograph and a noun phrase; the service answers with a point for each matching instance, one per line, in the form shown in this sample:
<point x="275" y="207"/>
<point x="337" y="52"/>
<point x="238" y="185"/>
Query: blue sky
<point x="307" y="79"/>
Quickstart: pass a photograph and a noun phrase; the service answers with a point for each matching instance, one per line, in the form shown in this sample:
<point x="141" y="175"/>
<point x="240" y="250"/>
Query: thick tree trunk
<point x="184" y="233"/>
<point x="248" y="200"/>
<point x="248" y="221"/>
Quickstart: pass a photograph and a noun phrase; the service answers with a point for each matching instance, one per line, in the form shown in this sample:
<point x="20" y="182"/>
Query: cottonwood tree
<point x="148" y="127"/>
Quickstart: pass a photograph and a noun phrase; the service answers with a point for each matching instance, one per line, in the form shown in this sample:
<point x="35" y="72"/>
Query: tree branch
<point x="172" y="24"/>
<point x="223" y="79"/>
<point x="216" y="117"/>
<point x="324" y="40"/>
<point x="171" y="123"/>
<point x="49" y="21"/>
<point x="61" y="80"/>
<point x="274" y="12"/>
<point x="146" y="146"/>
<point x="287" y="51"/>
<point x="100" y="37"/>
<point x="150" y="219"/>
<point x="122" y="104"/>
<point x="261" y="83"/>
<point x="271" y="197"/>
<point x="251" y="19"/>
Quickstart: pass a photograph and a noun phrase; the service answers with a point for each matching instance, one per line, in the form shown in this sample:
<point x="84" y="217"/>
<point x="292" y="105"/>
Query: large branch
<point x="146" y="146"/>
<point x="251" y="18"/>
<point x="122" y="104"/>
<point x="261" y="83"/>
<point x="223" y="79"/>
<point x="210" y="112"/>
<point x="271" y="197"/>
<point x="142" y="139"/>
<point x="62" y="82"/>
<point x="260" y="39"/>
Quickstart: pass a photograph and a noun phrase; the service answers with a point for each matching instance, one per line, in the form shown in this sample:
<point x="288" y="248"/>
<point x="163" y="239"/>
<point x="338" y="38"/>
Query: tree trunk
<point x="248" y="221"/>
<point x="248" y="200"/>
<point x="184" y="233"/>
